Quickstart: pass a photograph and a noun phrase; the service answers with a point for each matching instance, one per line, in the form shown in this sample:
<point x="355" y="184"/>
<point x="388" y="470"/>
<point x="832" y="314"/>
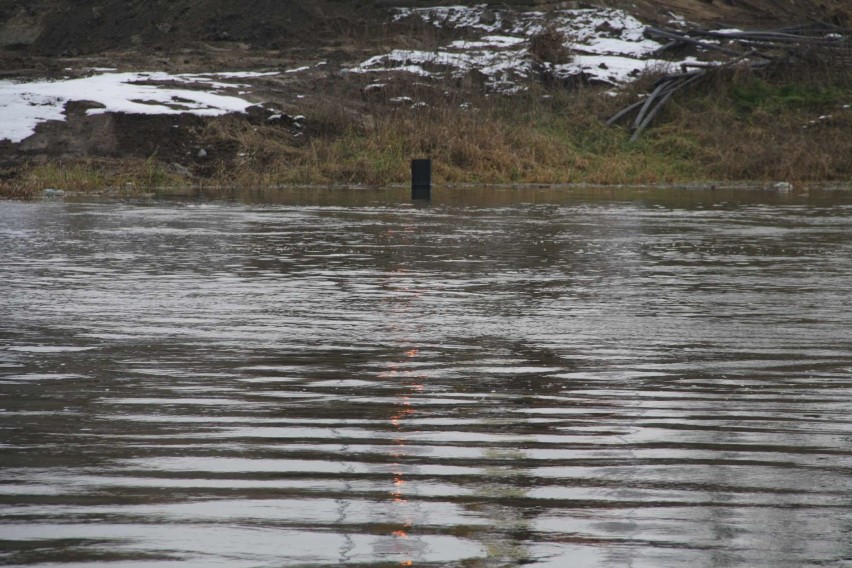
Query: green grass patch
<point x="757" y="94"/>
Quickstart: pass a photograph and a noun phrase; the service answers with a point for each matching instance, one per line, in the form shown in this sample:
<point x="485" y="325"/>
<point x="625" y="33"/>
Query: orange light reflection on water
<point x="403" y="410"/>
<point x="396" y="419"/>
<point x="397" y="493"/>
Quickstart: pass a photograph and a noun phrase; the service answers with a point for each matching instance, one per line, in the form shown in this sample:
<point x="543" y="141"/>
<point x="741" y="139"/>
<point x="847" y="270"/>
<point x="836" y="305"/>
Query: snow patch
<point x="609" y="46"/>
<point x="23" y="106"/>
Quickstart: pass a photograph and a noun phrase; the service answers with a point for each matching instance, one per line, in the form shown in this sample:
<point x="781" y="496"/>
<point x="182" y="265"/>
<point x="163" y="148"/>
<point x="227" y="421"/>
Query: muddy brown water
<point x="503" y="378"/>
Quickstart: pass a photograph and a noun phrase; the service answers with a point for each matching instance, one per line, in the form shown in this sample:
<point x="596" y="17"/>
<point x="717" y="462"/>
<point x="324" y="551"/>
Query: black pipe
<point x="421" y="179"/>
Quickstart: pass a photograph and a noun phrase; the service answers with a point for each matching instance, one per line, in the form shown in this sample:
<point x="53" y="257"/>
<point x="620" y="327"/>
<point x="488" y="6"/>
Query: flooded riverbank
<point x="649" y="379"/>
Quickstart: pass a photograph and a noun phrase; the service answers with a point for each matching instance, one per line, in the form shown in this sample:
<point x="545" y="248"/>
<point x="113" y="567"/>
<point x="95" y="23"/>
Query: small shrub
<point x="548" y="46"/>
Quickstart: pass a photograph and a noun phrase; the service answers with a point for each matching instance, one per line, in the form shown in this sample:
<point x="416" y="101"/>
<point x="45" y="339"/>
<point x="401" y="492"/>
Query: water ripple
<point x="657" y="379"/>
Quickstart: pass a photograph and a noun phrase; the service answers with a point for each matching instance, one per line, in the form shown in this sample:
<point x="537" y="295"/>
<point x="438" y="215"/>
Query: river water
<point x="502" y="378"/>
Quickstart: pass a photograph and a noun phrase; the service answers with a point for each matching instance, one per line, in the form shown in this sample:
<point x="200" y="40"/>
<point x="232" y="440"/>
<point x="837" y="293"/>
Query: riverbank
<point x="488" y="109"/>
<point x="791" y="128"/>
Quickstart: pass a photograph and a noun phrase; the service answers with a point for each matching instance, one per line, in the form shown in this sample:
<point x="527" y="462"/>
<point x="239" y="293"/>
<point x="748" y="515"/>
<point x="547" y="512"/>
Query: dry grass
<point x="540" y="136"/>
<point x="87" y="176"/>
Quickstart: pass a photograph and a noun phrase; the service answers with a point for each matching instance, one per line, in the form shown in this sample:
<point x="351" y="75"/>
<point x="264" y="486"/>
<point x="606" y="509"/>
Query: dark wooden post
<point x="421" y="179"/>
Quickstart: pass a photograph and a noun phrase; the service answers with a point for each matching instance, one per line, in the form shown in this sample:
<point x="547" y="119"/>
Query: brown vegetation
<point x="548" y="46"/>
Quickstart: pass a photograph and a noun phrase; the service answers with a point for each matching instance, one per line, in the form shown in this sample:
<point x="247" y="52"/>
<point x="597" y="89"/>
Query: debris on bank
<point x="753" y="49"/>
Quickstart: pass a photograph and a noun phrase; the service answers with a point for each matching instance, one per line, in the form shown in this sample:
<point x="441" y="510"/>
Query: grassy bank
<point x="793" y="124"/>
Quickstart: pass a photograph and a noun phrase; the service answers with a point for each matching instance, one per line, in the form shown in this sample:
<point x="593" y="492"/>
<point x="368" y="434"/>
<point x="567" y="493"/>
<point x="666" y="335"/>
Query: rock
<point x="201" y="154"/>
<point x="180" y="170"/>
<point x="21" y="29"/>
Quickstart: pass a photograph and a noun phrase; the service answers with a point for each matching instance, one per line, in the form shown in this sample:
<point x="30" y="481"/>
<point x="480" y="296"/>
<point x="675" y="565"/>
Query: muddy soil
<point x="85" y="27"/>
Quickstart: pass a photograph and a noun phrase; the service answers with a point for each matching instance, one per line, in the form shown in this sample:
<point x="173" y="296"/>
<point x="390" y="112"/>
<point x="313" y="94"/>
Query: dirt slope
<point x="745" y="13"/>
<point x="85" y="27"/>
<point x="78" y="27"/>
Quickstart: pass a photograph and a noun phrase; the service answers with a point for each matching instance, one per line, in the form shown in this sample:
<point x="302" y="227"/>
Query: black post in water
<point x="421" y="179"/>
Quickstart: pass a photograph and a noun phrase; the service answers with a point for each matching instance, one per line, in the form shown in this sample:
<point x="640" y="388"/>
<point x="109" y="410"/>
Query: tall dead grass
<point x="799" y="127"/>
<point x="87" y="175"/>
<point x="538" y="136"/>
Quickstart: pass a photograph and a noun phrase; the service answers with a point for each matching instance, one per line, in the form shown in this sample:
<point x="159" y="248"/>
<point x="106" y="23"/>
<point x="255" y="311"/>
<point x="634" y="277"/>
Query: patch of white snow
<point x="608" y="45"/>
<point x="25" y="105"/>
